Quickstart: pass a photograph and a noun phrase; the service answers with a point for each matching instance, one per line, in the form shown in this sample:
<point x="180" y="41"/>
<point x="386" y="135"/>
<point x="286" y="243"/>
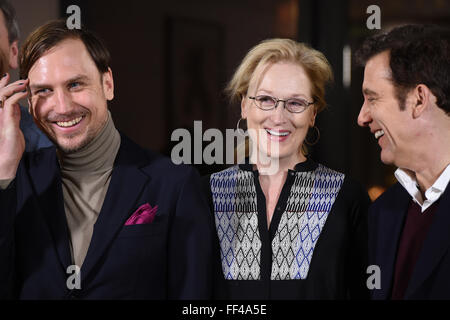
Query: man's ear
<point x="13" y="55"/>
<point x="108" y="84"/>
<point x="31" y="109"/>
<point x="422" y="97"/>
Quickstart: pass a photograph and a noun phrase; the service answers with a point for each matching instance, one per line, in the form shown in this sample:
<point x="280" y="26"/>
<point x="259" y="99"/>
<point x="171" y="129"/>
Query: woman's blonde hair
<point x="313" y="62"/>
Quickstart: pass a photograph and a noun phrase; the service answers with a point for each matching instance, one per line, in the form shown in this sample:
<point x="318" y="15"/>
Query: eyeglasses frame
<point x="277" y="101"/>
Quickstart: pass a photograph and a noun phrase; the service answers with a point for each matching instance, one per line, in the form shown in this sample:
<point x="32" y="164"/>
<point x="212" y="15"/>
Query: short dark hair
<point x="51" y="34"/>
<point x="11" y="23"/>
<point x="419" y="54"/>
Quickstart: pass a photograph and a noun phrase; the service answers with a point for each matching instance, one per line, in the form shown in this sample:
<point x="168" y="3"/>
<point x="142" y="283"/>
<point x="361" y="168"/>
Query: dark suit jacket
<point x="431" y="275"/>
<point x="169" y="258"/>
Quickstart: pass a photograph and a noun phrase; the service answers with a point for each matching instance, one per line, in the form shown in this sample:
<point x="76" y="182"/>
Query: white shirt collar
<point x="432" y="194"/>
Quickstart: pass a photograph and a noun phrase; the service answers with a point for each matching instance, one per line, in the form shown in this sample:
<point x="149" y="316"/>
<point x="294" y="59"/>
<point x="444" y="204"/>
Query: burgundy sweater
<point x="413" y="235"/>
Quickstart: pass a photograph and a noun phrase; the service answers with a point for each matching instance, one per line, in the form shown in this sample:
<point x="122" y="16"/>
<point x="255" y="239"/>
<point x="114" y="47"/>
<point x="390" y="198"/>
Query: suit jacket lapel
<point x="125" y="188"/>
<point x="390" y="225"/>
<point x="435" y="245"/>
<point x="47" y="186"/>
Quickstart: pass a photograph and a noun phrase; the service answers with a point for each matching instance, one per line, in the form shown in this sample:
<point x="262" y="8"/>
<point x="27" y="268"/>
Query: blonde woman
<point x="298" y="230"/>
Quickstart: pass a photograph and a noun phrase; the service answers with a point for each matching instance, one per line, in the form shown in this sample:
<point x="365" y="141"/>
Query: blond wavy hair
<point x="271" y="51"/>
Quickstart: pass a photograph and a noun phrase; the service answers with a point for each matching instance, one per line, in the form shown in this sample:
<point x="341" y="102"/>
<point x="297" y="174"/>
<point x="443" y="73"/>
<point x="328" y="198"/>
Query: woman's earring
<point x="240" y="131"/>
<point x="315" y="140"/>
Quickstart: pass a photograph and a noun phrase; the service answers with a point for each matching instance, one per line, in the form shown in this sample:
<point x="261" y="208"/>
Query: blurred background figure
<point x="9" y="51"/>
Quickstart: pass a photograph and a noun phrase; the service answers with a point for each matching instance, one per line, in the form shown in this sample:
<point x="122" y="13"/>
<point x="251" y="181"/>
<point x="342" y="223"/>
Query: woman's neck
<point x="276" y="167"/>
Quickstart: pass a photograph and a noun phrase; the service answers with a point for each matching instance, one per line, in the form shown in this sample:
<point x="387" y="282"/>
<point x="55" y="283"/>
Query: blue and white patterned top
<point x="306" y="210"/>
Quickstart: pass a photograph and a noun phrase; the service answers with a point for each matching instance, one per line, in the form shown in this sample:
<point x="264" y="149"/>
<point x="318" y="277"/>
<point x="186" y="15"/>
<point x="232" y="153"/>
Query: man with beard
<point x="127" y="221"/>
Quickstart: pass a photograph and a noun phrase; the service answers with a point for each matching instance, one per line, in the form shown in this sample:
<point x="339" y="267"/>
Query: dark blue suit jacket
<point x="169" y="258"/>
<point x="431" y="275"/>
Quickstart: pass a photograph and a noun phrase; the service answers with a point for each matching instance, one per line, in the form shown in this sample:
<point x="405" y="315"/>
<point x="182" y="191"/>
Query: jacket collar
<point x="391" y="218"/>
<point x="436" y="244"/>
<point x="125" y="189"/>
<point x="126" y="186"/>
<point x="384" y="234"/>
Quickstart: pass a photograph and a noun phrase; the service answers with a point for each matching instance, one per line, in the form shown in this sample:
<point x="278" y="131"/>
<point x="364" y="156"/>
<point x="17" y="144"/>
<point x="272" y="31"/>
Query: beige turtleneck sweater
<point x="86" y="175"/>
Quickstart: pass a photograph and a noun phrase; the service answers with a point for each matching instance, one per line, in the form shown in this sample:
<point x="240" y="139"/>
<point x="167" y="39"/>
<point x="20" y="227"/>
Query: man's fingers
<point x="9" y="91"/>
<point x="15" y="98"/>
<point x="4" y="80"/>
<point x="11" y="105"/>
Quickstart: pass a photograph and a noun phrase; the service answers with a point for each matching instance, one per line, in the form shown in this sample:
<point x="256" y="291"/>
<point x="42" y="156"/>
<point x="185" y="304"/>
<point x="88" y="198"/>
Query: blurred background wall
<point x="31" y="14"/>
<point x="172" y="59"/>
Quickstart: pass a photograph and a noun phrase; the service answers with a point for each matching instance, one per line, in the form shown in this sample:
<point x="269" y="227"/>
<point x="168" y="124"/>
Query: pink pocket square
<point x="145" y="214"/>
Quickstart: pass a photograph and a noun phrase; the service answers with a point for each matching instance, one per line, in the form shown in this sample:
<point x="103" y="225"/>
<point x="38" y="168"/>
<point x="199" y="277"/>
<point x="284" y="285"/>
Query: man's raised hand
<point x="12" y="141"/>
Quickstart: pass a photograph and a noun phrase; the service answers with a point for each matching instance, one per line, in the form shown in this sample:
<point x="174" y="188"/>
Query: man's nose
<point x="364" y="117"/>
<point x="62" y="101"/>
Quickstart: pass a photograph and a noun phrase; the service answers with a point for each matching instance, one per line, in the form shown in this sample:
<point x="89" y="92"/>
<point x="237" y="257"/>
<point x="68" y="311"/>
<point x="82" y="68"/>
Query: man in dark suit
<point x="96" y="216"/>
<point x="9" y="51"/>
<point x="406" y="92"/>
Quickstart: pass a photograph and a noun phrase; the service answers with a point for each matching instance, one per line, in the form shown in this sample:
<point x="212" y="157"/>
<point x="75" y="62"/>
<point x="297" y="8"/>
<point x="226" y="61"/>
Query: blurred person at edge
<point x="9" y="38"/>
<point x="406" y="106"/>
<point x="300" y="231"/>
<point x="136" y="225"/>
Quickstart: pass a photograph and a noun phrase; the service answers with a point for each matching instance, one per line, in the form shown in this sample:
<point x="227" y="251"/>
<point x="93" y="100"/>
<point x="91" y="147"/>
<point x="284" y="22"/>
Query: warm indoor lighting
<point x="375" y="191"/>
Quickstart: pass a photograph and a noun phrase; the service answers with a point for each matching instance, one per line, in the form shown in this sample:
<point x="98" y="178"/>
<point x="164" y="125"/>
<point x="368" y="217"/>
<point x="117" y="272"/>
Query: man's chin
<point x="69" y="149"/>
<point x="72" y="146"/>
<point x="386" y="158"/>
